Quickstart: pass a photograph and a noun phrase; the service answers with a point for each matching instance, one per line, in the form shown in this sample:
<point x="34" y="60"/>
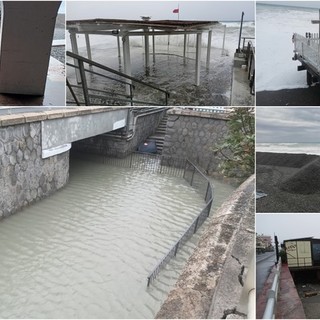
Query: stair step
<point x="161" y="138"/>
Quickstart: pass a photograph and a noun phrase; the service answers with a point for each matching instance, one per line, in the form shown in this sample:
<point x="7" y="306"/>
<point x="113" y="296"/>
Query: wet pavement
<point x="289" y="305"/>
<point x="264" y="265"/>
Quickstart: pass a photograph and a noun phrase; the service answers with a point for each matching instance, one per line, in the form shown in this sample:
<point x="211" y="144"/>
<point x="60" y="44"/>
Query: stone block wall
<point x="24" y="176"/>
<point x="123" y="142"/>
<point x="193" y="134"/>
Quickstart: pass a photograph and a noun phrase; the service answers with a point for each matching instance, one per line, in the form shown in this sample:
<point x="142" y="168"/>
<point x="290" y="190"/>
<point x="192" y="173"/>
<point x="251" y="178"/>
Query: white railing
<point x="308" y="49"/>
<point x="270" y="310"/>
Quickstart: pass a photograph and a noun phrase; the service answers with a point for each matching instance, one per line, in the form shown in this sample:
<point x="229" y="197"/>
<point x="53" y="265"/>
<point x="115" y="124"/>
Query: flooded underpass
<point x="86" y="251"/>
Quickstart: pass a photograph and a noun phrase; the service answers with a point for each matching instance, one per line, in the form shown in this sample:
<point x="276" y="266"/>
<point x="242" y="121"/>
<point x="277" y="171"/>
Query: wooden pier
<point x="307" y="51"/>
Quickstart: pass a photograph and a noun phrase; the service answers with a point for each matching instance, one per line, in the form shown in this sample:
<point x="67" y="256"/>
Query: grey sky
<point x="288" y="125"/>
<point x="288" y="226"/>
<point x="189" y="10"/>
<point x="62" y="8"/>
<point x="304" y="4"/>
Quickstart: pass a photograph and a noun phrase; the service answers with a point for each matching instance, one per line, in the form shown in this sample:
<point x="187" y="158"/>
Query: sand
<point x="291" y="182"/>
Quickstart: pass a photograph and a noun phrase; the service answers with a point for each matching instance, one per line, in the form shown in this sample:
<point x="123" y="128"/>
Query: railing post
<point x="72" y="93"/>
<point x="185" y="168"/>
<point x="196" y="225"/>
<point x="194" y="169"/>
<point x="176" y="249"/>
<point x="130" y="166"/>
<point x="131" y="95"/>
<point x="206" y="196"/>
<point x="84" y="83"/>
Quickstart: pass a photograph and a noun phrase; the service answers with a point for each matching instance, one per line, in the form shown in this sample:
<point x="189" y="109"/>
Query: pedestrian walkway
<point x="289" y="305"/>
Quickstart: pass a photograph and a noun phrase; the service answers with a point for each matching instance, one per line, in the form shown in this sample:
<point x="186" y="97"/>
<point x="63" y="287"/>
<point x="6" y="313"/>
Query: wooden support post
<point x="147" y="52"/>
<point x="224" y="39"/>
<point x="184" y="47"/>
<point x="127" y="60"/>
<point x="74" y="48"/>
<point x="119" y="48"/>
<point x="209" y="49"/>
<point x="198" y="58"/>
<point x="88" y="46"/>
<point x="153" y="47"/>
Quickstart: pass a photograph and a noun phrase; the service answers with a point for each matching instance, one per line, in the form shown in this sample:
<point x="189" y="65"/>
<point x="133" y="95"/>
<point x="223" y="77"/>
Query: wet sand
<point x="290" y="97"/>
<point x="290" y="181"/>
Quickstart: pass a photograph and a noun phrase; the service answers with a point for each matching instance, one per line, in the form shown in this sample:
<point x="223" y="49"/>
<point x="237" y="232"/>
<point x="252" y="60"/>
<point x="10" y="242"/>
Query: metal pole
<point x="224" y="39"/>
<point x="209" y="48"/>
<point x="206" y="196"/>
<point x="196" y="225"/>
<point x="240" y="32"/>
<point x="72" y="93"/>
<point x="198" y="58"/>
<point x="84" y="83"/>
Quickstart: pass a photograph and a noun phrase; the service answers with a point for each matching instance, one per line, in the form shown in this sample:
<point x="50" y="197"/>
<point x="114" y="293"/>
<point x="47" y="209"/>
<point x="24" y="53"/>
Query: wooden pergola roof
<point x="127" y="25"/>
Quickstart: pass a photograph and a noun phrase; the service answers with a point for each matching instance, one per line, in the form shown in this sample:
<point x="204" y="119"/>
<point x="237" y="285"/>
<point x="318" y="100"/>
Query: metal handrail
<point x="269" y="312"/>
<point x="196" y="223"/>
<point x="81" y="60"/>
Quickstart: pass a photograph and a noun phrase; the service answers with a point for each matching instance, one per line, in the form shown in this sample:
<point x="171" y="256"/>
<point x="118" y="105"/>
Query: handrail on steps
<point x="81" y="68"/>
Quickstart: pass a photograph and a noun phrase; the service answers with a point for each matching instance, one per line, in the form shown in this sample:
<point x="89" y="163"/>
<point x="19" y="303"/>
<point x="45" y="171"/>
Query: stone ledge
<point x="200" y="291"/>
<point x="201" y="114"/>
<point x="27" y="117"/>
<point x="12" y="119"/>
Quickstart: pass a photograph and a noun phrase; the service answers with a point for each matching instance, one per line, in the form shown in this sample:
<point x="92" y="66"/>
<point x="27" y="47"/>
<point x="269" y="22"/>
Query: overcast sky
<point x="304" y="4"/>
<point x="288" y="226"/>
<point x="189" y="10"/>
<point x="288" y="125"/>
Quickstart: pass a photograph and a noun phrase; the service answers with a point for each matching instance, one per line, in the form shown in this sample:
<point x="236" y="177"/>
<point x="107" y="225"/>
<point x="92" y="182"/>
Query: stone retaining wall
<point x="24" y="176"/>
<point x="192" y="135"/>
<point x="123" y="142"/>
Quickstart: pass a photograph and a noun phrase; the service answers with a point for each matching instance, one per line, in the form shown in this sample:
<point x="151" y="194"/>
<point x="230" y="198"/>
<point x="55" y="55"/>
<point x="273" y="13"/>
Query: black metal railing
<point x="200" y="182"/>
<point x="182" y="168"/>
<point x="122" y="92"/>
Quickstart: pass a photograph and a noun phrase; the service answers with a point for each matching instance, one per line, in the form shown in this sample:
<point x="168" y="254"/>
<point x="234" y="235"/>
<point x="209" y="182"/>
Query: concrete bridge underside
<point x="58" y="134"/>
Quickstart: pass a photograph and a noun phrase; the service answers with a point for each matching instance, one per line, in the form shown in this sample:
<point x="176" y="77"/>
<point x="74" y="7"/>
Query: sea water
<point x="307" y="148"/>
<point x="275" y="26"/>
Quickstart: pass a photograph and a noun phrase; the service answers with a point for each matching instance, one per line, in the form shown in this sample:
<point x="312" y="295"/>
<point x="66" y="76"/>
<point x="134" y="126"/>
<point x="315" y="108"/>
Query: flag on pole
<point x="175" y="10"/>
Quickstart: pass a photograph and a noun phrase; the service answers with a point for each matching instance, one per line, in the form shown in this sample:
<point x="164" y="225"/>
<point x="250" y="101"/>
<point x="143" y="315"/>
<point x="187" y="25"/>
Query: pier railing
<point x="307" y="49"/>
<point x="90" y="73"/>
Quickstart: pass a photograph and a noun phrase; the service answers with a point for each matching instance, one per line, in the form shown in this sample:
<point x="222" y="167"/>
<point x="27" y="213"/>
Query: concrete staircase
<point x="159" y="135"/>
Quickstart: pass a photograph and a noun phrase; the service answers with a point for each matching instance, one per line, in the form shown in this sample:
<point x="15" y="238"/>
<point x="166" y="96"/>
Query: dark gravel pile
<point x="305" y="181"/>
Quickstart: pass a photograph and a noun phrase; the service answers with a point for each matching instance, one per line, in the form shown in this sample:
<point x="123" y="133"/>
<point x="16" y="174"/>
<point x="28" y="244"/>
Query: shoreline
<point x="289" y="97"/>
